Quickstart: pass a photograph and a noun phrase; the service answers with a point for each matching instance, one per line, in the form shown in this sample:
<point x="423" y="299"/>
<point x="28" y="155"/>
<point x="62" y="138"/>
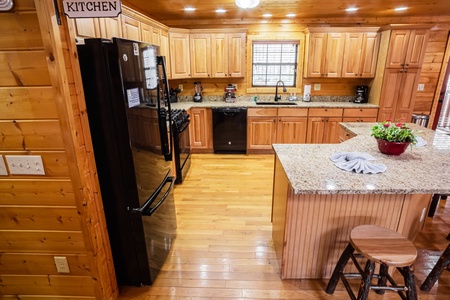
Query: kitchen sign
<point x="92" y="8"/>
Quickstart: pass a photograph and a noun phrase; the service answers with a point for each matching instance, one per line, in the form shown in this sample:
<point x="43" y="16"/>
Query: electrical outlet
<point x="180" y="86"/>
<point x="317" y="87"/>
<point x="421" y="87"/>
<point x="62" y="266"/>
<point x="25" y="164"/>
<point x="3" y="170"/>
<point x="235" y="86"/>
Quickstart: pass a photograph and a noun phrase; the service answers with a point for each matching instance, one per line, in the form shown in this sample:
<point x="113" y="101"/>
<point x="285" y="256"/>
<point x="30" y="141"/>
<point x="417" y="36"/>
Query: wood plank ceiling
<point x="171" y="12"/>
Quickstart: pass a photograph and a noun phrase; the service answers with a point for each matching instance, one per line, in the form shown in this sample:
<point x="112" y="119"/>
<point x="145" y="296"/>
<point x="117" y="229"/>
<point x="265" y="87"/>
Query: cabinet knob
<point x="402" y="65"/>
<point x="407" y="64"/>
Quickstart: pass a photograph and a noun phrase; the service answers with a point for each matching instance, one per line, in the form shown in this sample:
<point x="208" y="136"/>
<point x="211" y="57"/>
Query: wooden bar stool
<point x="442" y="264"/>
<point x="378" y="245"/>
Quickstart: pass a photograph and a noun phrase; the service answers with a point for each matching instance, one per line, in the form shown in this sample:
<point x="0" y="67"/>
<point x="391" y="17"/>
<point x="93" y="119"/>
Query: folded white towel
<point x="357" y="162"/>
<point x="420" y="142"/>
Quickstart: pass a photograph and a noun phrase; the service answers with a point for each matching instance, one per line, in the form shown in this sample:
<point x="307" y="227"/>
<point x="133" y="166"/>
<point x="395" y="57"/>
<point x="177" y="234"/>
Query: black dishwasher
<point x="229" y="129"/>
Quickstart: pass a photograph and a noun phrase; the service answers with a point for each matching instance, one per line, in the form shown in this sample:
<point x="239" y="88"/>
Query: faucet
<point x="276" y="90"/>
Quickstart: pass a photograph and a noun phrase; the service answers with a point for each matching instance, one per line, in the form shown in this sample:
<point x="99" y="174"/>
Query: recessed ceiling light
<point x="267" y="15"/>
<point x="290" y="15"/>
<point x="220" y="11"/>
<point x="190" y="9"/>
<point x="401" y="8"/>
<point x="351" y="9"/>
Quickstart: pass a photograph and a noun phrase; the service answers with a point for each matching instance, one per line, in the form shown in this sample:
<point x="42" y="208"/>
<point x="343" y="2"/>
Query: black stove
<point x="181" y="144"/>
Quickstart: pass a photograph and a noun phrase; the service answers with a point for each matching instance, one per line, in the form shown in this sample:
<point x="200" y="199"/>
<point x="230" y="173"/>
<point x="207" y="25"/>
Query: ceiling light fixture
<point x="290" y="15"/>
<point x="351" y="9"/>
<point x="267" y="15"/>
<point x="247" y="3"/>
<point x="189" y="9"/>
<point x="401" y="8"/>
<point x="221" y="11"/>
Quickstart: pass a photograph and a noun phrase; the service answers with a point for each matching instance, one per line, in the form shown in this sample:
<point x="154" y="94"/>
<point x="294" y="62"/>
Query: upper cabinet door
<point x="179" y="55"/>
<point x="236" y="54"/>
<point x="398" y="46"/>
<point x="164" y="50"/>
<point x="418" y="40"/>
<point x="219" y="55"/>
<point x="352" y="54"/>
<point x="111" y="27"/>
<point x="146" y="33"/>
<point x="200" y="49"/>
<point x="368" y="65"/>
<point x="334" y="53"/>
<point x="86" y="28"/>
<point x="131" y="28"/>
<point x="316" y="54"/>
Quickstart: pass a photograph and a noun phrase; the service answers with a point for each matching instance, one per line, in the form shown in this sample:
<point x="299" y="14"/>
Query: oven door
<point x="182" y="152"/>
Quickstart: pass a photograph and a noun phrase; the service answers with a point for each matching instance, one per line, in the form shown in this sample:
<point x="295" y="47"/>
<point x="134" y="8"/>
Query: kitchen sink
<point x="276" y="103"/>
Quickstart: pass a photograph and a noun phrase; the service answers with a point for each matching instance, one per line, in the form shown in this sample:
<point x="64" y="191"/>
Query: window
<point x="273" y="62"/>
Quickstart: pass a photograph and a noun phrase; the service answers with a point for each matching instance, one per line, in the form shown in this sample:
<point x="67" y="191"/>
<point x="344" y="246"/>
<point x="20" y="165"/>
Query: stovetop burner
<point x="180" y="118"/>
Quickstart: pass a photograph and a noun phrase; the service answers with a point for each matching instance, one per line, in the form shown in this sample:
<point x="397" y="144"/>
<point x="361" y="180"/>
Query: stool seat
<point x="383" y="245"/>
<point x="376" y="245"/>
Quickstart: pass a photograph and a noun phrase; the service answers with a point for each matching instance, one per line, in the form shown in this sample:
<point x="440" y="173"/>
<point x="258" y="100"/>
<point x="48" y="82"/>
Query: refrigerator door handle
<point x="145" y="209"/>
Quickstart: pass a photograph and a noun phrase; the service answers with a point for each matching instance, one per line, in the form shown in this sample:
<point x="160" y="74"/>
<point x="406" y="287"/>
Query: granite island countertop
<point x="420" y="170"/>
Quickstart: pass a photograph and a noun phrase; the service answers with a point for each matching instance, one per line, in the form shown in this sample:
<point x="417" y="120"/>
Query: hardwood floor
<point x="224" y="247"/>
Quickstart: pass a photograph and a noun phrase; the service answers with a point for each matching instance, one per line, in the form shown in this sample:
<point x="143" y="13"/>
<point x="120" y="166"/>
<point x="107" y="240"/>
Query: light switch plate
<point x="421" y="87"/>
<point x="3" y="170"/>
<point x="180" y="86"/>
<point x="25" y="164"/>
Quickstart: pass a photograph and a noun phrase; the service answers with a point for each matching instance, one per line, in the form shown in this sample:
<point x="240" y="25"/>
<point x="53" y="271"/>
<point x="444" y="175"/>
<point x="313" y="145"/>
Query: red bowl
<point x="392" y="148"/>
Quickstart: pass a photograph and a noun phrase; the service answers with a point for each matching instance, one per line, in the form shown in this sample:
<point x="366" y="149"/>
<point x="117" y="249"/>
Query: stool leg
<point x="434" y="204"/>
<point x="410" y="283"/>
<point x="338" y="270"/>
<point x="439" y="267"/>
<point x="382" y="281"/>
<point x="366" y="280"/>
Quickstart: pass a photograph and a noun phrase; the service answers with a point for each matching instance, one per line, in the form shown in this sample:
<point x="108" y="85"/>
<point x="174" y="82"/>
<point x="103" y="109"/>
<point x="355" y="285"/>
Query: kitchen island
<point x="316" y="204"/>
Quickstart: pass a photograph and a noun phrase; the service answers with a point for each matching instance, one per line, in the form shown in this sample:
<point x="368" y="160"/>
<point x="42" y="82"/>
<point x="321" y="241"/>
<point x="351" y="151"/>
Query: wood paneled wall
<point x="431" y="71"/>
<point x="60" y="213"/>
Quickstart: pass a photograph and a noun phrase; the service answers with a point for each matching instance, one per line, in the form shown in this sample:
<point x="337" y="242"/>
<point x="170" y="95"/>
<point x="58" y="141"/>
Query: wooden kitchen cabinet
<point x="111" y="27"/>
<point x="360" y="115"/>
<point x="179" y="54"/>
<point x="360" y="55"/>
<point x="236" y="55"/>
<point x="267" y="126"/>
<point x="131" y="28"/>
<point x="200" y="130"/>
<point x="398" y="94"/>
<point x="164" y="50"/>
<point x="200" y="51"/>
<point x="324" y="53"/>
<point x="261" y="129"/>
<point x="85" y="28"/>
<point x="407" y="48"/>
<point x="323" y="125"/>
<point x="291" y="126"/>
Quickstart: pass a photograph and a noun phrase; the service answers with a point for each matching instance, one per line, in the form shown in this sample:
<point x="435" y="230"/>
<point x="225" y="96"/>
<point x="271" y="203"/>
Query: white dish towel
<point x="357" y="162"/>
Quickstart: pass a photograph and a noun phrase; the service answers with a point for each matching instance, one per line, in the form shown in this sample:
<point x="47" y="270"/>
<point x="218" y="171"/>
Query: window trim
<point x="275" y="37"/>
<point x="280" y="64"/>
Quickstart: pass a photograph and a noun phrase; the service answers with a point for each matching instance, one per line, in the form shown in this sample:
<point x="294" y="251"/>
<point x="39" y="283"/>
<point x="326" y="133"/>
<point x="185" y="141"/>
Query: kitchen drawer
<point x="361" y="112"/>
<point x="262" y="112"/>
<point x="292" y="112"/>
<point x="359" y="119"/>
<point x="325" y="112"/>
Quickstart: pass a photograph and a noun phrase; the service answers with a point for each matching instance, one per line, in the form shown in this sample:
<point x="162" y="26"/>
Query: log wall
<point x="59" y="213"/>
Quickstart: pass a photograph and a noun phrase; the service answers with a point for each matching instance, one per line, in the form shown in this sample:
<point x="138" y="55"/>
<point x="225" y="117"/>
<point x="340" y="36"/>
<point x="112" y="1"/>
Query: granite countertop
<point x="298" y="104"/>
<point x="420" y="170"/>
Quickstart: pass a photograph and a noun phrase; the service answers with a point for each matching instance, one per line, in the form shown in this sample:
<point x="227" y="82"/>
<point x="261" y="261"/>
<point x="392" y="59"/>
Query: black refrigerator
<point x="127" y="92"/>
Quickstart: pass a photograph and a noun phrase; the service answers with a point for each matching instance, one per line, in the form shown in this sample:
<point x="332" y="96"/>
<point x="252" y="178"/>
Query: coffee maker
<point x="362" y="95"/>
<point x="230" y="95"/>
<point x="198" y="91"/>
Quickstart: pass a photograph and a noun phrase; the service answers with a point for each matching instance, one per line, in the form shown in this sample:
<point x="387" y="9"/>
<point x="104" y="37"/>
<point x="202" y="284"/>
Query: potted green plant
<point x="393" y="138"/>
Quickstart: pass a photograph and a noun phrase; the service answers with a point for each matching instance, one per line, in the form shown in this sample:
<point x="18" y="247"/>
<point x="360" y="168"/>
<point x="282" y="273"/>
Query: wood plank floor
<point x="224" y="248"/>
